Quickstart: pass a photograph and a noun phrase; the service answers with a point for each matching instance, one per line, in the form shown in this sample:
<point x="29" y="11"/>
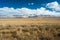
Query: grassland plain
<point x="30" y="29"/>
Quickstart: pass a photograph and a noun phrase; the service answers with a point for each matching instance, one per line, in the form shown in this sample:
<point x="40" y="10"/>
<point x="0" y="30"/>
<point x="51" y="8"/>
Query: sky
<point x="32" y="4"/>
<point x="27" y="8"/>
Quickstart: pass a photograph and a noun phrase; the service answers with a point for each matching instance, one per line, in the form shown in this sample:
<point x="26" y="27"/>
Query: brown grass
<point x="30" y="29"/>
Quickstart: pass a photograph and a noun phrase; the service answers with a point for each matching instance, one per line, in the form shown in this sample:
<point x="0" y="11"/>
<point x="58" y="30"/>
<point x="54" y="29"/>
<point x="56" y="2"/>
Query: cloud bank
<point x="51" y="9"/>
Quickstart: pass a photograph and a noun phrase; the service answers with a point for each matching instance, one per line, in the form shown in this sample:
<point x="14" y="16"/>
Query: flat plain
<point x="30" y="29"/>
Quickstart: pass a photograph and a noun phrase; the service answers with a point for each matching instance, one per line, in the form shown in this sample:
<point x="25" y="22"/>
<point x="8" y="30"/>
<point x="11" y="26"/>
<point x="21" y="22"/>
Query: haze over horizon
<point x="29" y="8"/>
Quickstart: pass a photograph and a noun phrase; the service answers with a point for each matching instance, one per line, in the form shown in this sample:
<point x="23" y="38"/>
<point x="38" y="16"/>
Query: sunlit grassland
<point x="30" y="29"/>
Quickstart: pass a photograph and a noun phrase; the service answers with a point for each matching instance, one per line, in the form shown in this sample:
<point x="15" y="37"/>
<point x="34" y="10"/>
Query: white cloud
<point x="30" y="3"/>
<point x="26" y="12"/>
<point x="54" y="6"/>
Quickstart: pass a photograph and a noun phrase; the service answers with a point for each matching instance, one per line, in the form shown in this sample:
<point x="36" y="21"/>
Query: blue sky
<point x="24" y="3"/>
<point x="29" y="8"/>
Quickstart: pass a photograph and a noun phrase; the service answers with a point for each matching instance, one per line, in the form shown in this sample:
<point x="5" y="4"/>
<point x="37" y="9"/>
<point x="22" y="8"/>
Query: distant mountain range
<point x="27" y="16"/>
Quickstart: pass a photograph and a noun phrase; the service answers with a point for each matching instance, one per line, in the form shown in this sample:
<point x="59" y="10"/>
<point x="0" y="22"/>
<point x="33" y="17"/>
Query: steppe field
<point x="30" y="29"/>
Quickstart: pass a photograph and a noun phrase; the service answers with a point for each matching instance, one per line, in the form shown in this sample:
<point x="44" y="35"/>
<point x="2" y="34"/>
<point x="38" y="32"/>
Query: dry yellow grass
<point x="30" y="29"/>
<point x="27" y="21"/>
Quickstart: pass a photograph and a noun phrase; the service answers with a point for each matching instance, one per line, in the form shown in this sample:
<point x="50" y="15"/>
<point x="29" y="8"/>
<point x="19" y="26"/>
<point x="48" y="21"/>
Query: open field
<point x="30" y="29"/>
<point x="29" y="21"/>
